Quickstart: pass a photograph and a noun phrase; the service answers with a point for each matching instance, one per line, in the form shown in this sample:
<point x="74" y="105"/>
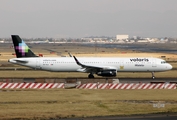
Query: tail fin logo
<point x="22" y="48"/>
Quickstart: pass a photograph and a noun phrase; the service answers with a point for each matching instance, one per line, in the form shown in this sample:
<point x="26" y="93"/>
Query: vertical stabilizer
<point x="21" y="49"/>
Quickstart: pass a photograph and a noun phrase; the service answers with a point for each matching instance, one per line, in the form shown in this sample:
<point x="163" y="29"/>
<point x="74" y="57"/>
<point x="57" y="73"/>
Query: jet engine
<point x="107" y="73"/>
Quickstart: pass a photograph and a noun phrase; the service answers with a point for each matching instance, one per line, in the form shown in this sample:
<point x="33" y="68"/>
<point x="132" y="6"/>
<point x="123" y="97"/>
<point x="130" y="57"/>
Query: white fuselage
<point x="68" y="64"/>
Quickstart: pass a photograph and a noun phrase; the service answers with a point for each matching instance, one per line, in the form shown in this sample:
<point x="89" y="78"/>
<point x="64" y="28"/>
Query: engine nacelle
<point x="107" y="73"/>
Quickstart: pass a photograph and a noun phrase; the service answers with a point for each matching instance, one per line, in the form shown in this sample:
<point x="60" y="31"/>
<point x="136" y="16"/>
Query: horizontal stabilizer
<point x="22" y="61"/>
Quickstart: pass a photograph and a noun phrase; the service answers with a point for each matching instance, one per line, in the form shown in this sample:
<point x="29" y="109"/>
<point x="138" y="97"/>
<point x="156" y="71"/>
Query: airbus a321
<point x="101" y="66"/>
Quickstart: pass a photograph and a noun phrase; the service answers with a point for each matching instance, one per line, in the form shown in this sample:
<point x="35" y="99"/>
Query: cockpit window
<point x="163" y="62"/>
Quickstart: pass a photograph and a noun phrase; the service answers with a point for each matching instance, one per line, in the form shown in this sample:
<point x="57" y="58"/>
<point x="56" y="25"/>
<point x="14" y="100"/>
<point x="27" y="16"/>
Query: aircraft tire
<point x="90" y="76"/>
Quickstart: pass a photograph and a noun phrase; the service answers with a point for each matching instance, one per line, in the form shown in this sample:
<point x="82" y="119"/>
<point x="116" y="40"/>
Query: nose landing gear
<point x="153" y="76"/>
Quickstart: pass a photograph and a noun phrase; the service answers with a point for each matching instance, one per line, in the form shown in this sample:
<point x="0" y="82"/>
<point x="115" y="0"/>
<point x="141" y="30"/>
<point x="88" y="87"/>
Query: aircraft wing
<point x="93" y="69"/>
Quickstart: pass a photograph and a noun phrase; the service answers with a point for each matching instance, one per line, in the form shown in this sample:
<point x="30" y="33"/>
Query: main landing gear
<point x="153" y="77"/>
<point x="90" y="75"/>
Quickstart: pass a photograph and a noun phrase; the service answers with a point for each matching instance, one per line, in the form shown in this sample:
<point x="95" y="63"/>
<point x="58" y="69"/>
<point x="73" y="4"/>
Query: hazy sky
<point x="82" y="18"/>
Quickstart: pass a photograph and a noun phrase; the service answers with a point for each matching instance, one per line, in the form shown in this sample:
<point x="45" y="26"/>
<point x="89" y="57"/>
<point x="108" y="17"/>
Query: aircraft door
<point x="37" y="63"/>
<point x="121" y="67"/>
<point x="154" y="63"/>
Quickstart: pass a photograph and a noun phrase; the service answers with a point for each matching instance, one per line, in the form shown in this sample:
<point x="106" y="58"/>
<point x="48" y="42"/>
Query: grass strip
<point x="61" y="103"/>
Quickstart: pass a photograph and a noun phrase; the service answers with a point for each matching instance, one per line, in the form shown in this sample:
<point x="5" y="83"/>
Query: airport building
<point x="122" y="37"/>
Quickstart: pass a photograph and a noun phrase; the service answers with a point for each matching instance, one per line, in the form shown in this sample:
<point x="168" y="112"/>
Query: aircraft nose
<point x="169" y="66"/>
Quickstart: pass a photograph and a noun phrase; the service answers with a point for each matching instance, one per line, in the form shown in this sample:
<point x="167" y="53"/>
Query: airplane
<point x="38" y="42"/>
<point x="101" y="66"/>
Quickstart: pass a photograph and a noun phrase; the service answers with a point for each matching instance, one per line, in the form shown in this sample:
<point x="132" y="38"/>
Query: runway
<point x="133" y="117"/>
